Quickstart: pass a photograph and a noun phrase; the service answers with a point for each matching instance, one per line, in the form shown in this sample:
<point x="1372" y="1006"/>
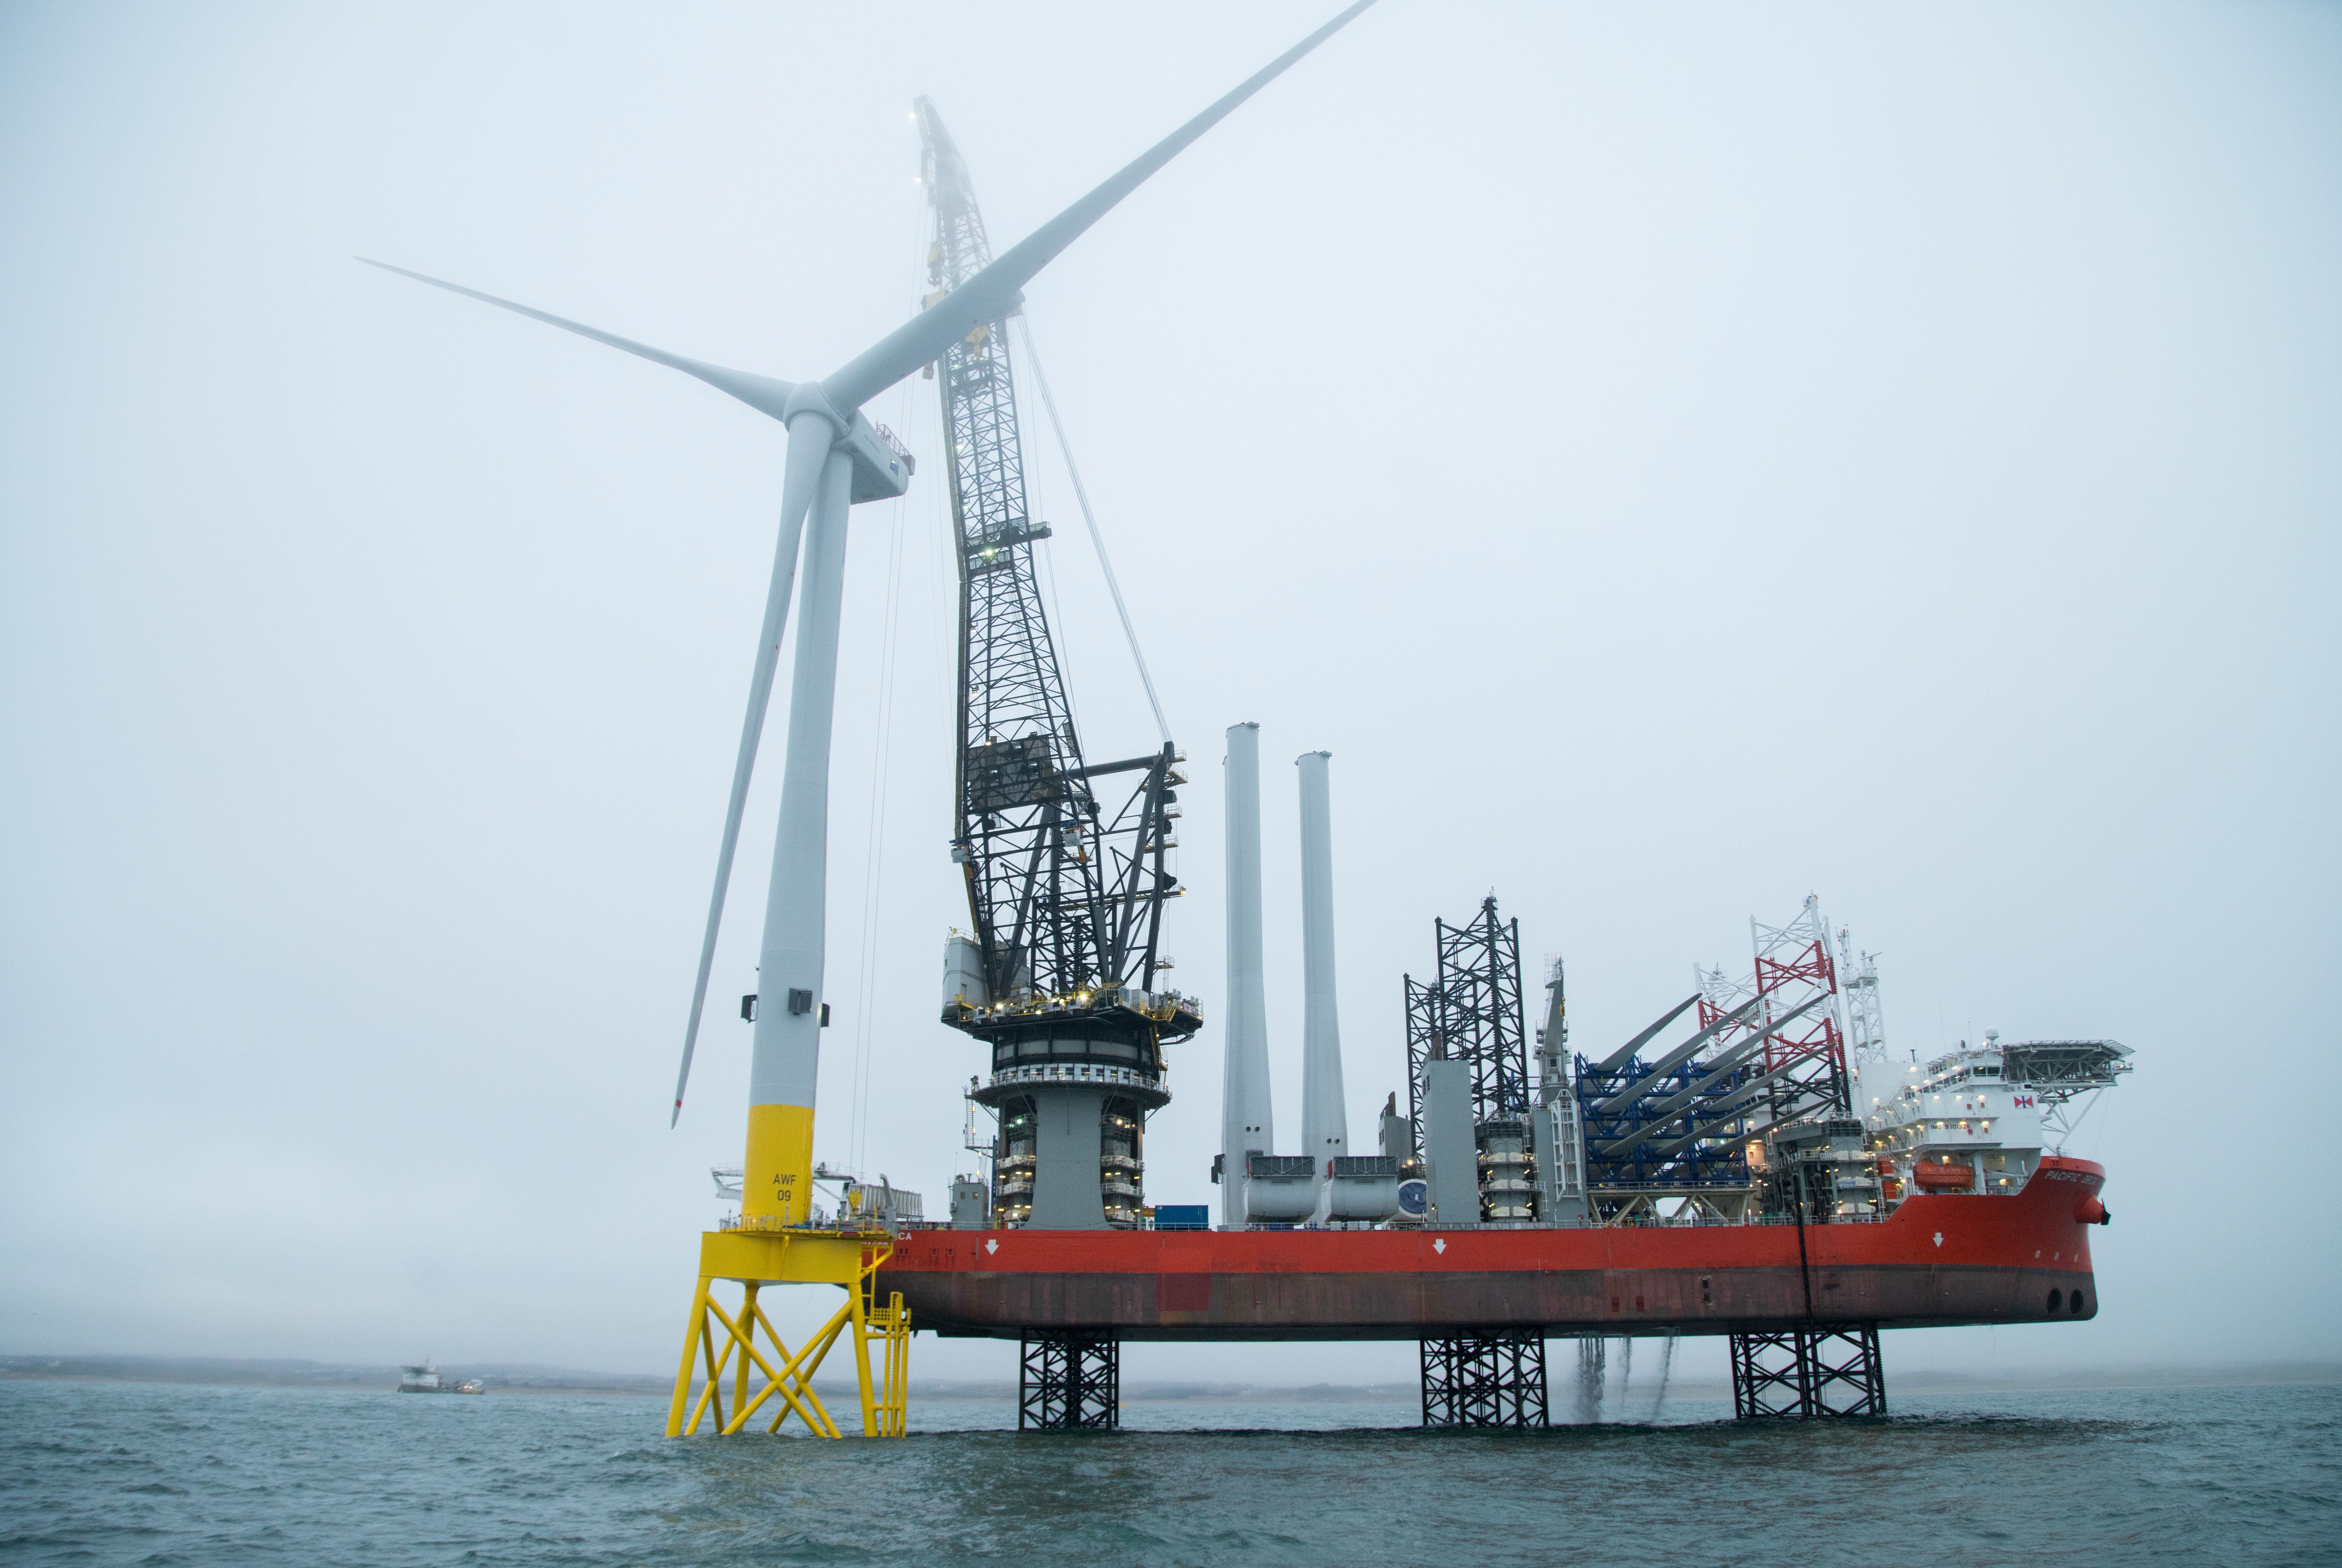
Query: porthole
<point x="2077" y="1304"/>
<point x="2056" y="1300"/>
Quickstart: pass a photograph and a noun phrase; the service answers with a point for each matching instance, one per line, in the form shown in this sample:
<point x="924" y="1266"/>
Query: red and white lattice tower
<point x="1792" y="966"/>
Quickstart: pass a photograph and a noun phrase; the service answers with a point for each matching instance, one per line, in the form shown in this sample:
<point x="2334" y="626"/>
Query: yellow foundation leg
<point x="674" y="1427"/>
<point x="712" y="1391"/>
<point x="747" y="1335"/>
<point x="860" y="1301"/>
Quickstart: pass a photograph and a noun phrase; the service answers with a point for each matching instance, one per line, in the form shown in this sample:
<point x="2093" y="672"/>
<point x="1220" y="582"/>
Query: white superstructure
<point x="1977" y="1119"/>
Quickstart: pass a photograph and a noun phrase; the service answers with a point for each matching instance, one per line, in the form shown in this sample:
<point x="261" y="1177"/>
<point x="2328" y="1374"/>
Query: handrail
<point x="773" y="1224"/>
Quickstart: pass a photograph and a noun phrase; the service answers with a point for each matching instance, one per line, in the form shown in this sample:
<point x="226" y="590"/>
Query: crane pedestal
<point x="716" y="1340"/>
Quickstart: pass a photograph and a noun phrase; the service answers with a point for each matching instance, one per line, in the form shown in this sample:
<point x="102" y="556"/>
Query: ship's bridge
<point x="1957" y="1126"/>
<point x="1975" y="1120"/>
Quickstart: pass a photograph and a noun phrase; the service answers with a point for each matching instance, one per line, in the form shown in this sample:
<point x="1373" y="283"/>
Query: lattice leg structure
<point x="1069" y="1380"/>
<point x="1814" y="1370"/>
<point x="1494" y="1378"/>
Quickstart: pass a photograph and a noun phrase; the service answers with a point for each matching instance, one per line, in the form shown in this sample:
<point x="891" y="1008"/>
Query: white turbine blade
<point x="761" y="393"/>
<point x="989" y="294"/>
<point x="809" y="444"/>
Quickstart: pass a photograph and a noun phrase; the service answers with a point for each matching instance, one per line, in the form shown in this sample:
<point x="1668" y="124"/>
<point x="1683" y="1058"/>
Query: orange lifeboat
<point x="1961" y="1177"/>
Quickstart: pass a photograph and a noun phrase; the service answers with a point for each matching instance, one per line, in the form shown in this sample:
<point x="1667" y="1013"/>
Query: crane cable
<point x="1097" y="540"/>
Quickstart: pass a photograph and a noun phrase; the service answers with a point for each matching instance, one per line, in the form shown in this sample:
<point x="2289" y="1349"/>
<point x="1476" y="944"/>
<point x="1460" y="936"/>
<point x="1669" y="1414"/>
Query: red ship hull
<point x="1937" y="1261"/>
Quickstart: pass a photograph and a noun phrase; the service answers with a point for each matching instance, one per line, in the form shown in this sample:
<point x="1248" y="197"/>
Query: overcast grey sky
<point x="1676" y="457"/>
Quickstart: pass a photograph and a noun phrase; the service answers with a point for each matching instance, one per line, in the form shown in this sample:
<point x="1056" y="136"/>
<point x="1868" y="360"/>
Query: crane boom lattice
<point x="1065" y="894"/>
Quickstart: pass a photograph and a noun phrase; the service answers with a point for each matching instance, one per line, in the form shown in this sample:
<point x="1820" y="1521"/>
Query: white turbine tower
<point x="835" y="458"/>
<point x="1324" y="1119"/>
<point x="1248" y="1117"/>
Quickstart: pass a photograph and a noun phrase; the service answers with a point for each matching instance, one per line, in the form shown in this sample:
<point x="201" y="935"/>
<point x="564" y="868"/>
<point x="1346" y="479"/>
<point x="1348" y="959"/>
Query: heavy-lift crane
<point x="1065" y="899"/>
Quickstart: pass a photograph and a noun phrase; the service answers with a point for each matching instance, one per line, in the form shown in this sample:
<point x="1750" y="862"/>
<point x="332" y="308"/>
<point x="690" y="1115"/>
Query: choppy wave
<point x="127" y="1473"/>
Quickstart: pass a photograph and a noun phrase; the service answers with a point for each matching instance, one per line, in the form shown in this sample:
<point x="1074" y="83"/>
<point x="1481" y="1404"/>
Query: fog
<point x="1675" y="458"/>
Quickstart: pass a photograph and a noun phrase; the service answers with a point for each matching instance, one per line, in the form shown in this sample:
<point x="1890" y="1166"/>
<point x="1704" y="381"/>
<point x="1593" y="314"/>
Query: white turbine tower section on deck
<point x="1324" y="1125"/>
<point x="1247" y="1119"/>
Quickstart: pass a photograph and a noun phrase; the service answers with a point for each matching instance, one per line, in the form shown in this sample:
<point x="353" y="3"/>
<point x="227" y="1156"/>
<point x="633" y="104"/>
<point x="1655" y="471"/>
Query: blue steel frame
<point x="1707" y="1163"/>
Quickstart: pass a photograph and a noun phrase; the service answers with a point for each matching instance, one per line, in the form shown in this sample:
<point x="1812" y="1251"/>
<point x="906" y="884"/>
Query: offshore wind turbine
<point x="835" y="457"/>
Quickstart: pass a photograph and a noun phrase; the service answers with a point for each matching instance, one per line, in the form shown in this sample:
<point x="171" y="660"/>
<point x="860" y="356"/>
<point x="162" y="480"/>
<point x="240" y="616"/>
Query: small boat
<point x="426" y="1379"/>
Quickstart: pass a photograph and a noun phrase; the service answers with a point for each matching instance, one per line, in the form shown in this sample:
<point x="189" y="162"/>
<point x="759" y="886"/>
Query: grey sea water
<point x="95" y="1473"/>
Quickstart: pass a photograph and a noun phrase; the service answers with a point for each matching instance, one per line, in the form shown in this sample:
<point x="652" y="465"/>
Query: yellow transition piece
<point x="777" y="1180"/>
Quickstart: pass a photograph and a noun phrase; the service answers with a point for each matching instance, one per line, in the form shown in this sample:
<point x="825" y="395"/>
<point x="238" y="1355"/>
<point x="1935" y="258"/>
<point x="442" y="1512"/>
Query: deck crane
<point x="1066" y="898"/>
